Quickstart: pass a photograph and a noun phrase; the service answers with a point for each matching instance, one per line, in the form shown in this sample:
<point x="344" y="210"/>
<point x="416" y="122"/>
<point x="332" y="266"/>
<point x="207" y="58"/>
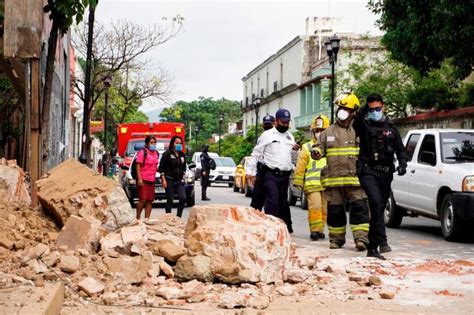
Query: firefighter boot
<point x="385" y="248"/>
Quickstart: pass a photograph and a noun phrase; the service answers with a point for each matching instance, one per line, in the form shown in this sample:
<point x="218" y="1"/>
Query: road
<point x="416" y="238"/>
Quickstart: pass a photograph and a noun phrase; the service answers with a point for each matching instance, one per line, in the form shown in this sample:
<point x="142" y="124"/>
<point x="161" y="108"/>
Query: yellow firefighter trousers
<point x="317" y="211"/>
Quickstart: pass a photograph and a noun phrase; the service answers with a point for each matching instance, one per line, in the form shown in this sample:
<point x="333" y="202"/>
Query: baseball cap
<point x="283" y="114"/>
<point x="268" y="119"/>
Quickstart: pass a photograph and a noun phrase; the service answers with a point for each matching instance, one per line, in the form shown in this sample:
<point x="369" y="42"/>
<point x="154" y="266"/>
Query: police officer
<point x="276" y="148"/>
<point x="379" y="142"/>
<point x="258" y="194"/>
<point x="205" y="170"/>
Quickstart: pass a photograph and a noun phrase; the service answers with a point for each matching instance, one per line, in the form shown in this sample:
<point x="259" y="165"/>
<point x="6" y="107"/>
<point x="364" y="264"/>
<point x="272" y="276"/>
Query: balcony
<point x="304" y="121"/>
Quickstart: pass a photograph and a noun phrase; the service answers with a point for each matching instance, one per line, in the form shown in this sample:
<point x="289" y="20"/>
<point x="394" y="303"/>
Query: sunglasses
<point x="375" y="109"/>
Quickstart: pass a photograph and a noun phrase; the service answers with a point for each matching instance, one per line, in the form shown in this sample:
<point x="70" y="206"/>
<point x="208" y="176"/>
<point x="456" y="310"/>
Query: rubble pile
<point x="13" y="182"/>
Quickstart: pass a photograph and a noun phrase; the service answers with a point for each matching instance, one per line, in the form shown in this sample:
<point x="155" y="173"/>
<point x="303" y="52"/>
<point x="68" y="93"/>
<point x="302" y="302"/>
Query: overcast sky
<point x="221" y="41"/>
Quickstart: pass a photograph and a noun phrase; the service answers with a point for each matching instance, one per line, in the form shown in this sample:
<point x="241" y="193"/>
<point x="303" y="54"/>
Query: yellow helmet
<point x="348" y="100"/>
<point x="320" y="122"/>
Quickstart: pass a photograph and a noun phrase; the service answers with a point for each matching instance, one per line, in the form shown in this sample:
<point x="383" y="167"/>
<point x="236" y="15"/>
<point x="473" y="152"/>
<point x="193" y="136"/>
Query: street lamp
<point x="105" y="162"/>
<point x="221" y="120"/>
<point x="256" y="105"/>
<point x="196" y="130"/>
<point x="87" y="89"/>
<point x="332" y="48"/>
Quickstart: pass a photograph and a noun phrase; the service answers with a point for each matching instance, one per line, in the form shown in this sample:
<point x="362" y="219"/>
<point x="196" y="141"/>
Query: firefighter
<point x="307" y="177"/>
<point x="339" y="145"/>
<point x="379" y="142"/>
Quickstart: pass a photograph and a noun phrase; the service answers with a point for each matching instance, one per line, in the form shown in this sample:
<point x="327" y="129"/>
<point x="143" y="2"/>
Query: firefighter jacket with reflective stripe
<point x="340" y="146"/>
<point x="308" y="171"/>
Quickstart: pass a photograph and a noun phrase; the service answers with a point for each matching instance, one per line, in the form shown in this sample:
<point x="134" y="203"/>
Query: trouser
<point x="356" y="200"/>
<point x="276" y="200"/>
<point x="258" y="193"/>
<point x="317" y="211"/>
<point x="377" y="187"/>
<point x="178" y="187"/>
<point x="204" y="185"/>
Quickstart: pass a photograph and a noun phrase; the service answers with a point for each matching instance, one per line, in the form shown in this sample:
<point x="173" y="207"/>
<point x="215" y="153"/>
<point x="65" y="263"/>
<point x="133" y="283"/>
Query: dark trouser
<point x="377" y="187"/>
<point x="204" y="185"/>
<point x="259" y="193"/>
<point x="276" y="201"/>
<point x="178" y="186"/>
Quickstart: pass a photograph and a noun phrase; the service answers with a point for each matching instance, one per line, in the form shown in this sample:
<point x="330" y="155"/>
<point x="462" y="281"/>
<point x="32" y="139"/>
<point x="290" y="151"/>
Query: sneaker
<point x="385" y="248"/>
<point x="360" y="246"/>
<point x="334" y="245"/>
<point x="374" y="253"/>
<point x="321" y="235"/>
<point x="314" y="236"/>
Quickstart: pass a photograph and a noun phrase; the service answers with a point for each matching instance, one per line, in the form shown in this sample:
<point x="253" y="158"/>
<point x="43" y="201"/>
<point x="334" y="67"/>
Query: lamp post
<point x="196" y="130"/>
<point x="87" y="89"/>
<point x="332" y="48"/>
<point x="105" y="162"/>
<point x="221" y="120"/>
<point x="256" y="105"/>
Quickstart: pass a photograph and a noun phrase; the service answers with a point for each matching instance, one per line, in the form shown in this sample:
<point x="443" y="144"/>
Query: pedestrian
<point x="172" y="170"/>
<point x="379" y="142"/>
<point x="307" y="177"/>
<point x="258" y="192"/>
<point x="276" y="147"/>
<point x="205" y="172"/>
<point x="147" y="162"/>
<point x="339" y="145"/>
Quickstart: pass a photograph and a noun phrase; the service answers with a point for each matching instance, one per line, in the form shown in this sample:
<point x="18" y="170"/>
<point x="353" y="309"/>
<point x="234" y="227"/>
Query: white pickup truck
<point x="439" y="182"/>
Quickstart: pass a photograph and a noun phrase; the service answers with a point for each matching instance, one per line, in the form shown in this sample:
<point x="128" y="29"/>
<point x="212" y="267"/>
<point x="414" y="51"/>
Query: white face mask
<point x="317" y="135"/>
<point x="342" y="114"/>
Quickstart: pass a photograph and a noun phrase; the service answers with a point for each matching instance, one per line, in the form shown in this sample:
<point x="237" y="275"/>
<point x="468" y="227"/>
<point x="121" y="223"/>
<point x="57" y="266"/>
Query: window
<point x="427" y="154"/>
<point x="262" y="93"/>
<point x="275" y="86"/>
<point x="411" y="145"/>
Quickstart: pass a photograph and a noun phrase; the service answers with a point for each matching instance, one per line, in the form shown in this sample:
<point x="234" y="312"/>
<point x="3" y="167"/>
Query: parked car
<point x="130" y="186"/>
<point x="224" y="172"/>
<point x="240" y="182"/>
<point x="196" y="160"/>
<point x="439" y="182"/>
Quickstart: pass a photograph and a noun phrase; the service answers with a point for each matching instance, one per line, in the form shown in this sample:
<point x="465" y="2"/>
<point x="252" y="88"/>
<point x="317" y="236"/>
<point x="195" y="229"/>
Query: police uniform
<point x="276" y="151"/>
<point x="379" y="142"/>
<point x="205" y="172"/>
<point x="258" y="192"/>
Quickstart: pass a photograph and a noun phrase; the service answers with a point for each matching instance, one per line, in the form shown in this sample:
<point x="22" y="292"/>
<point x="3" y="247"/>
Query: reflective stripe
<point x="341" y="181"/>
<point x="314" y="177"/>
<point x="337" y="230"/>
<point x="344" y="152"/>
<point x="360" y="227"/>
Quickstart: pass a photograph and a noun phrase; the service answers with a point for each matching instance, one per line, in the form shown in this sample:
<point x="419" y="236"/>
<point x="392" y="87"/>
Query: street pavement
<point x="416" y="238"/>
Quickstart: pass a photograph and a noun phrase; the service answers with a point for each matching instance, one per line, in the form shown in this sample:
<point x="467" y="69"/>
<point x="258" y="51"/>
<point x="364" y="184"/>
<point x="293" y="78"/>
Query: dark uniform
<point x="258" y="192"/>
<point x="379" y="142"/>
<point x="205" y="169"/>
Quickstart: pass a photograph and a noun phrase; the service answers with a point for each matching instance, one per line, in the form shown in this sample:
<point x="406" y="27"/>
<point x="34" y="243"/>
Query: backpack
<point x="133" y="167"/>
<point x="212" y="164"/>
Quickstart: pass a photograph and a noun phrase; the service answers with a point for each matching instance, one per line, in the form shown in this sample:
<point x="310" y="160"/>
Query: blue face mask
<point x="152" y="147"/>
<point x="178" y="147"/>
<point x="375" y="116"/>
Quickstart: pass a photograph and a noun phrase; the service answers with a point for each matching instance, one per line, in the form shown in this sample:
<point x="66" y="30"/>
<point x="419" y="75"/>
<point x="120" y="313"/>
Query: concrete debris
<point x="69" y="264"/>
<point x="194" y="267"/>
<point x="13" y="181"/>
<point x="169" y="250"/>
<point x="387" y="295"/>
<point x="91" y="286"/>
<point x="375" y="281"/>
<point x="133" y="269"/>
<point x="79" y="233"/>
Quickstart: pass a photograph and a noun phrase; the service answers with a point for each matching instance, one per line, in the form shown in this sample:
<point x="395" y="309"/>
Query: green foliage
<point x="236" y="146"/>
<point x="66" y="12"/>
<point x="422" y="34"/>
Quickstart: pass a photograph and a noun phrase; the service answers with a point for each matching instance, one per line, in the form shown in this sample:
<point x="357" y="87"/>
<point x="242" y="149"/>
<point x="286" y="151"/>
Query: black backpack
<point x="212" y="164"/>
<point x="133" y="167"/>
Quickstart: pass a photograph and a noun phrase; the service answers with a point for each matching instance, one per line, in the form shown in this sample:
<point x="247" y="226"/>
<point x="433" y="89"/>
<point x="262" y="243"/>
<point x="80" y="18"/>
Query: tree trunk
<point x="47" y="92"/>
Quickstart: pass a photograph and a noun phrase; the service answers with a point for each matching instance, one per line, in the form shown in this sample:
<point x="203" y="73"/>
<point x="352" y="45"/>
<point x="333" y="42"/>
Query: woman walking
<point x="147" y="162"/>
<point x="172" y="169"/>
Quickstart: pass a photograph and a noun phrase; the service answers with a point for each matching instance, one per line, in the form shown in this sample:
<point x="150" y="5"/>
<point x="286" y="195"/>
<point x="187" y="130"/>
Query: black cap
<point x="268" y="119"/>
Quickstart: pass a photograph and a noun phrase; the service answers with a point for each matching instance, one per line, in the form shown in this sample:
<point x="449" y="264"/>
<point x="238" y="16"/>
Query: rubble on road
<point x="13" y="182"/>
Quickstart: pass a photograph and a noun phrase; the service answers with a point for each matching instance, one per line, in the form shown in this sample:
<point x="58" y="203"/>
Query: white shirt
<point x="274" y="149"/>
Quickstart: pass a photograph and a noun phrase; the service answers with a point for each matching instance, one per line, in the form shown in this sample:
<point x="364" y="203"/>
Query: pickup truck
<point x="439" y="182"/>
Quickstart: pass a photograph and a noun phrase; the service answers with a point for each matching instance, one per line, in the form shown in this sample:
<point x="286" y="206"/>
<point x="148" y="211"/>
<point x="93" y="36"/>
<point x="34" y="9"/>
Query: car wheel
<point x="451" y="226"/>
<point x="304" y="201"/>
<point x="291" y="198"/>
<point x="132" y="202"/>
<point x="393" y="214"/>
<point x="191" y="200"/>
<point x="248" y="191"/>
<point x="231" y="184"/>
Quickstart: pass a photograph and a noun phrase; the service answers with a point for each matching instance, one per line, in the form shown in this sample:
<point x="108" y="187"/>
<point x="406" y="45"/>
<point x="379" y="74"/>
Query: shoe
<point x="205" y="199"/>
<point x="384" y="248"/>
<point x="334" y="245"/>
<point x="360" y="246"/>
<point x="321" y="235"/>
<point x="374" y="253"/>
<point x="314" y="236"/>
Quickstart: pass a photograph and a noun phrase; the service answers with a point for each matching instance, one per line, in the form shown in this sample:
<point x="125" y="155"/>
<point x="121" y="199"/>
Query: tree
<point x="422" y="34"/>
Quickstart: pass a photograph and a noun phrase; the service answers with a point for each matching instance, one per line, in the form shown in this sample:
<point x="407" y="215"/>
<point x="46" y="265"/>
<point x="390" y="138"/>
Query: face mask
<point x="317" y="135"/>
<point x="342" y="114"/>
<point x="178" y="147"/>
<point x="152" y="147"/>
<point x="266" y="127"/>
<point x="375" y="116"/>
<point x="282" y="129"/>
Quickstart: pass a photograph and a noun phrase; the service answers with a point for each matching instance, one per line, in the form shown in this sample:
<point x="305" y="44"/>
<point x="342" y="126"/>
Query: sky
<point x="221" y="41"/>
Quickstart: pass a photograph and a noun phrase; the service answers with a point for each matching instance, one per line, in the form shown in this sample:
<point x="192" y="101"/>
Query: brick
<point x="91" y="286"/>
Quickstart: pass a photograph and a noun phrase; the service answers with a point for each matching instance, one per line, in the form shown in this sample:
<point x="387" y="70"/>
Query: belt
<point x="277" y="171"/>
<point x="380" y="168"/>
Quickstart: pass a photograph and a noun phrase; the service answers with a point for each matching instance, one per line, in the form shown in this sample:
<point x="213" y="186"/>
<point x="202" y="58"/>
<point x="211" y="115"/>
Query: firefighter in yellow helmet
<point x="307" y="177"/>
<point x="340" y="146"/>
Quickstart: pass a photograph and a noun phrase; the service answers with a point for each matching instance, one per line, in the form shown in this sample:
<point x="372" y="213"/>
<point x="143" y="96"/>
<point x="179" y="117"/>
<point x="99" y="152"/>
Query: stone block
<point x="91" y="286"/>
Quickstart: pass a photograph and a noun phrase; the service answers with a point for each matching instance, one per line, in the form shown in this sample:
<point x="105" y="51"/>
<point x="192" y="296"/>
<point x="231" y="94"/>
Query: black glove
<point x="402" y="170"/>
